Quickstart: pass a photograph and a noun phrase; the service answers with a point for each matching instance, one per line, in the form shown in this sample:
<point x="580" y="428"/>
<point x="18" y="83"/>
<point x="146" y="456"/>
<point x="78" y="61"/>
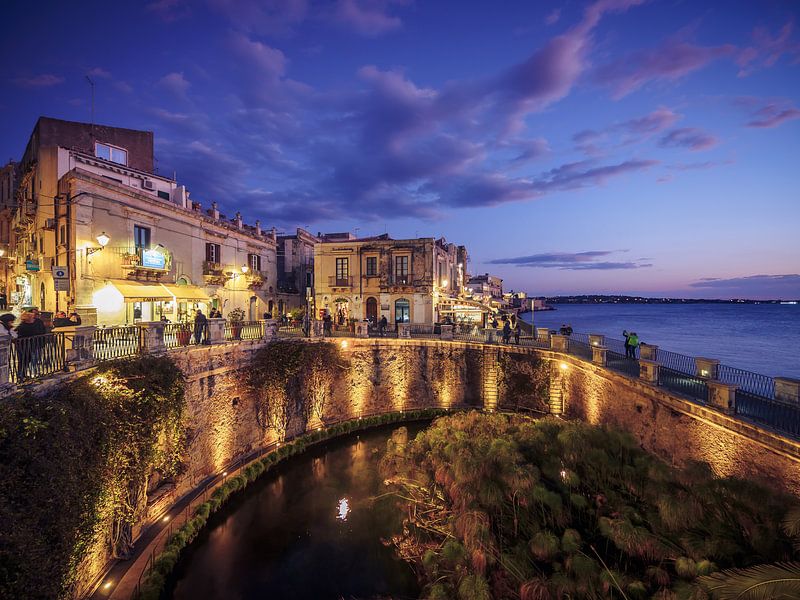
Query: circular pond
<point x="309" y="529"/>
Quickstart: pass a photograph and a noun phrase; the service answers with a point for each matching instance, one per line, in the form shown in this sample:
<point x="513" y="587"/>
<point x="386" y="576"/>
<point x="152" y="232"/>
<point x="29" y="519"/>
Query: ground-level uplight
<point x="563" y="366"/>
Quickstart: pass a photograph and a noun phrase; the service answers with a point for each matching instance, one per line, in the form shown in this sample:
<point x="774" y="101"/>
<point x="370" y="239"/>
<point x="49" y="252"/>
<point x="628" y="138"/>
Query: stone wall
<point x="382" y="375"/>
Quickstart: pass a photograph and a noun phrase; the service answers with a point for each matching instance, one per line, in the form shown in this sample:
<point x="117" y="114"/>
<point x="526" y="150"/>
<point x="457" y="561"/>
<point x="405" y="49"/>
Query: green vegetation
<point x="524" y="382"/>
<point x="75" y="465"/>
<point x="507" y="507"/>
<point x="292" y="379"/>
<point x="155" y="581"/>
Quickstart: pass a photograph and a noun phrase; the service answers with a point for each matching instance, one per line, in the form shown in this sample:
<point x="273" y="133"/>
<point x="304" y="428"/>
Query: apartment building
<point x="409" y="281"/>
<point x="295" y="271"/>
<point x="98" y="231"/>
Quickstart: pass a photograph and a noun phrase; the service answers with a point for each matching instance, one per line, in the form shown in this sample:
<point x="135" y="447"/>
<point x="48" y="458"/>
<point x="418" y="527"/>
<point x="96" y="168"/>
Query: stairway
<point x="489" y="379"/>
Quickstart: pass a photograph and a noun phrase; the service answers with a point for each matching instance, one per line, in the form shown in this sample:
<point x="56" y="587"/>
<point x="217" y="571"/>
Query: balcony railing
<point x="341" y="282"/>
<point x="126" y="262"/>
<point x="117" y="342"/>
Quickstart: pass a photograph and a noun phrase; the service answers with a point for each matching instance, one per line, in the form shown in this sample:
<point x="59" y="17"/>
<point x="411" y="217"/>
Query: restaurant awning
<point x="134" y="291"/>
<point x="187" y="292"/>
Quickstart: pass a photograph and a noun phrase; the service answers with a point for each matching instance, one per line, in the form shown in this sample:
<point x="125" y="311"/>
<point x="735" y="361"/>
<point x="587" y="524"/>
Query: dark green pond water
<point x="309" y="529"/>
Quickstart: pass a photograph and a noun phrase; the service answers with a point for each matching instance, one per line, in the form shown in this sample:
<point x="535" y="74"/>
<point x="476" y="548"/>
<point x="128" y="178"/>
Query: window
<point x="111" y="153"/>
<point x="372" y="266"/>
<point x="213" y="254"/>
<point x="141" y="237"/>
<point x="402" y="311"/>
<point x="401" y="269"/>
<point x="163" y="195"/>
<point x="254" y="262"/>
<point x="62" y="235"/>
<point x="342" y="270"/>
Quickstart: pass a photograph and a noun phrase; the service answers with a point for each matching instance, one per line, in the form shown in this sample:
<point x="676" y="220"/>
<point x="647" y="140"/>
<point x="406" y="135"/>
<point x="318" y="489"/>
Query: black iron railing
<point x="117" y="342"/>
<point x="36" y="356"/>
<point x="683" y="383"/>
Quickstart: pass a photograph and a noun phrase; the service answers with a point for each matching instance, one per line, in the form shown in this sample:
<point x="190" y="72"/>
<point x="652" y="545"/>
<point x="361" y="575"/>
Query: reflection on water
<point x="312" y="532"/>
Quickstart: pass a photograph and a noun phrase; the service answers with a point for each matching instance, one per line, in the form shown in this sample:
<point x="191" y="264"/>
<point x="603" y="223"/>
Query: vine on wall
<point x="75" y="465"/>
<point x="292" y="380"/>
<point x="524" y="382"/>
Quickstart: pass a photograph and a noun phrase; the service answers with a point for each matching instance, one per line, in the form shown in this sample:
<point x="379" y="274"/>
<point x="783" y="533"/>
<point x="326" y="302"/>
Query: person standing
<point x="627" y="337"/>
<point x="30" y="343"/>
<point x="506" y="332"/>
<point x="382" y="325"/>
<point x="633" y="341"/>
<point x="3" y="300"/>
<point x="517" y="332"/>
<point x="200" y="327"/>
<point x="5" y="322"/>
<point x="327" y="325"/>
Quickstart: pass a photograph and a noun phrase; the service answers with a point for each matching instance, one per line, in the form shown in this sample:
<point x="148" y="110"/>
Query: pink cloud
<point x="39" y="81"/>
<point x="368" y="17"/>
<point x="768" y="49"/>
<point x="773" y="115"/>
<point x="263" y="16"/>
<point x="671" y="61"/>
<point x="689" y="137"/>
<point x="175" y="83"/>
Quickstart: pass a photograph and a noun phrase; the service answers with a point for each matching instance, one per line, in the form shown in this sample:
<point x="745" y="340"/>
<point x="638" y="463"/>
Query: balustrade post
<point x="559" y="343"/>
<point x="648" y="371"/>
<point x="152" y="337"/>
<point x="543" y="335"/>
<point x="596" y="339"/>
<point x="216" y="331"/>
<point x="706" y="368"/>
<point x="722" y="396"/>
<point x="599" y="356"/>
<point x="447" y="333"/>
<point x="404" y="330"/>
<point x="79" y="345"/>
<point x="269" y="329"/>
<point x="787" y="390"/>
<point x="648" y="351"/>
<point x="362" y="329"/>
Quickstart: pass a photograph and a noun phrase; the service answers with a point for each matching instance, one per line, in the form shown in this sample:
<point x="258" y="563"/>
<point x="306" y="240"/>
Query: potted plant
<point x="236" y="317"/>
<point x="183" y="333"/>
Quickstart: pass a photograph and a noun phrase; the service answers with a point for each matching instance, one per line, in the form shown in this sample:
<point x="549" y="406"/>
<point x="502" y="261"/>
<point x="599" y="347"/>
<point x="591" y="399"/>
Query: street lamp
<point x="245" y="269"/>
<point x="103" y="240"/>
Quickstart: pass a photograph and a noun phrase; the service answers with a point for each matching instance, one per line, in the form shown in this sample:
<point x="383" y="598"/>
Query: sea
<point x="763" y="338"/>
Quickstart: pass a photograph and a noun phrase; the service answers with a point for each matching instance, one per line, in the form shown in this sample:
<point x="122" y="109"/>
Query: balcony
<point x="125" y="262"/>
<point x="340" y="282"/>
<point x="256" y="279"/>
<point x="213" y="273"/>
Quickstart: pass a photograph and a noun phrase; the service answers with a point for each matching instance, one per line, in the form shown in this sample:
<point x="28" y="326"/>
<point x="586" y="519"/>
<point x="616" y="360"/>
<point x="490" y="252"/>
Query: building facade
<point x="295" y="272"/>
<point x="97" y="231"/>
<point x="406" y="281"/>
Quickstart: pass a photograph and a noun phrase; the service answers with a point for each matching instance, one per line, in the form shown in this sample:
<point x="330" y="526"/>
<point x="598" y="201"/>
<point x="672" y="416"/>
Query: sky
<point x="611" y="146"/>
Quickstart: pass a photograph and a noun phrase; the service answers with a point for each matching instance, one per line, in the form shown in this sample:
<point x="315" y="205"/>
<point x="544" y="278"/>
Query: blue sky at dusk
<point x="615" y="146"/>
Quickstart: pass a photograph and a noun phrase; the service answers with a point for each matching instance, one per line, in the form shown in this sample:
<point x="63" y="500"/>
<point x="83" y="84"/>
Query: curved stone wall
<point x="385" y="375"/>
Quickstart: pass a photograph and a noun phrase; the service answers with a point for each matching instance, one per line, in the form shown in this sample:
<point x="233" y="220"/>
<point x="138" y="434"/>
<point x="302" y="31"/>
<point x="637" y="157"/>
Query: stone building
<point x="295" y="271"/>
<point x="487" y="287"/>
<point x="409" y="281"/>
<point x="132" y="244"/>
<point x="8" y="178"/>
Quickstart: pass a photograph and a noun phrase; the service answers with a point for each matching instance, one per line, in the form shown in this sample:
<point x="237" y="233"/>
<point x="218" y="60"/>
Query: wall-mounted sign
<point x="61" y="285"/>
<point x="60" y="273"/>
<point x="31" y="265"/>
<point x="153" y="259"/>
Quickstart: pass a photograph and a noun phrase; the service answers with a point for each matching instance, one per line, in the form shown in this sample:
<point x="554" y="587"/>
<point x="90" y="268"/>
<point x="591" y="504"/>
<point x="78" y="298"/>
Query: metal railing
<point x="418" y="330"/>
<point x="182" y="334"/>
<point x="469" y="333"/>
<point x="622" y="364"/>
<point x="117" y="342"/>
<point x="334" y="281"/>
<point x="36" y="356"/>
<point x="291" y="330"/>
<point x="684" y="384"/>
<point x="243" y="330"/>
<point x="375" y="331"/>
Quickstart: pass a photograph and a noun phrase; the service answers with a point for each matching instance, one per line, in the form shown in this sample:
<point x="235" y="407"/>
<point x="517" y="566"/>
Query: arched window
<point x="372" y="309"/>
<point x="402" y="311"/>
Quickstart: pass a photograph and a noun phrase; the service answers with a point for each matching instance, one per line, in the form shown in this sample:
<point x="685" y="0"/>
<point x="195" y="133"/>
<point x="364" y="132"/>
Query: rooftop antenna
<point x="91" y="83"/>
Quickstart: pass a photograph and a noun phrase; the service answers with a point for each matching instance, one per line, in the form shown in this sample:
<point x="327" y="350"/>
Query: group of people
<point x="631" y="343"/>
<point x="509" y="330"/>
<point x="565" y="329"/>
<point x="33" y="327"/>
<point x="32" y="323"/>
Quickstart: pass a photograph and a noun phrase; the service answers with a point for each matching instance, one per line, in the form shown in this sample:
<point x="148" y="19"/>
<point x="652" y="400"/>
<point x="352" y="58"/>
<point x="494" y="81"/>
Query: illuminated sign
<point x="153" y="259"/>
<point x="31" y="265"/>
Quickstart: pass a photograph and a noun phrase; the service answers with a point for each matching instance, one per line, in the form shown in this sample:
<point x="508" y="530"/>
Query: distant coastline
<point x="610" y="299"/>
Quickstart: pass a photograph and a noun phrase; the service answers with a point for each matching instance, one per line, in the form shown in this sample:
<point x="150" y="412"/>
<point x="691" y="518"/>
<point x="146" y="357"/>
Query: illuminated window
<point x="111" y="153"/>
<point x="401" y="269"/>
<point x="402" y="311"/>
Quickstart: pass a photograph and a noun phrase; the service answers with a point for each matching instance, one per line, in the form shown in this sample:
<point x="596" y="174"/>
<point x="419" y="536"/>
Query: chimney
<point x="214" y="211"/>
<point x="274" y="234"/>
<point x="258" y="227"/>
<point x="238" y="220"/>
